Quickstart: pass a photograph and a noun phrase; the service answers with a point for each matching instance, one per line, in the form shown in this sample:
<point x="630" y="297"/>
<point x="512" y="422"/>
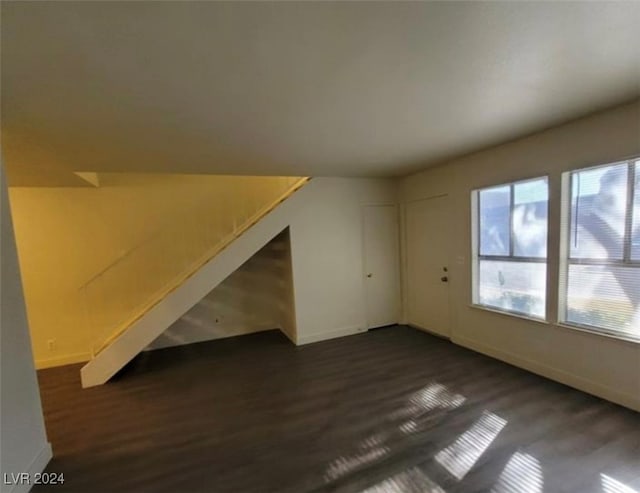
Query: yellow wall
<point x="137" y="227"/>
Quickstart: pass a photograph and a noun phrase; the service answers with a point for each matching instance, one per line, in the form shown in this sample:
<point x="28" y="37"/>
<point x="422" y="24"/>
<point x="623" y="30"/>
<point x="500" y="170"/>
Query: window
<point x="510" y="247"/>
<point x="600" y="275"/>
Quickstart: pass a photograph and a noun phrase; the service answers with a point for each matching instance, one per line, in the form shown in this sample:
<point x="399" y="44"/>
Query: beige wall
<point x="141" y="228"/>
<point x="601" y="365"/>
<point x="23" y="440"/>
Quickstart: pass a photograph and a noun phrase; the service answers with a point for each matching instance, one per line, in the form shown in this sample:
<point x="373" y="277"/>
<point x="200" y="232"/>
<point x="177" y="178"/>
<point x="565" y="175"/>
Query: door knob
<point x="444" y="279"/>
<point x="369" y="275"/>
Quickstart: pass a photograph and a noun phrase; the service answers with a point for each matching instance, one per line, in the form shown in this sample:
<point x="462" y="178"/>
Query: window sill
<point x="600" y="332"/>
<point x="509" y="314"/>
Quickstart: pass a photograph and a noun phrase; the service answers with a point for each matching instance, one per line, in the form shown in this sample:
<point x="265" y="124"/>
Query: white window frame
<point x="476" y="257"/>
<point x="633" y="168"/>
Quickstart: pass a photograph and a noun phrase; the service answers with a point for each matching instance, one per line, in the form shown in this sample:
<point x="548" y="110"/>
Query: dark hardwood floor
<point x="392" y="410"/>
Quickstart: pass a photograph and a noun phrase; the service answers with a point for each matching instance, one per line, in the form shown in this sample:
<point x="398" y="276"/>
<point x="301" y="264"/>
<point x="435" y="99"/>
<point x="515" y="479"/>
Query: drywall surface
<point x="91" y="257"/>
<point x="23" y="440"/>
<point x="286" y="303"/>
<point x="603" y="366"/>
<point x="325" y="230"/>
<point x="255" y="297"/>
<point x="327" y="255"/>
<point x="180" y="300"/>
<point x="85" y="229"/>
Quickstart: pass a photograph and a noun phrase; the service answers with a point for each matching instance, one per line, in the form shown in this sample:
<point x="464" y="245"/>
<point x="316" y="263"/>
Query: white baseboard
<point x="331" y="334"/>
<point x="38" y="464"/>
<point x="575" y="381"/>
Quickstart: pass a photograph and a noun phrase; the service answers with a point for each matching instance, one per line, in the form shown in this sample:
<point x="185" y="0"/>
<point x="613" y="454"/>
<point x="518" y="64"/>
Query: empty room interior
<point x="380" y="247"/>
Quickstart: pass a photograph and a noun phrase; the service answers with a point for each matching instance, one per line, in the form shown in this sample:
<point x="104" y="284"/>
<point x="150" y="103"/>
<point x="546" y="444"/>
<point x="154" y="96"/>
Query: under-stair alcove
<point x="257" y="296"/>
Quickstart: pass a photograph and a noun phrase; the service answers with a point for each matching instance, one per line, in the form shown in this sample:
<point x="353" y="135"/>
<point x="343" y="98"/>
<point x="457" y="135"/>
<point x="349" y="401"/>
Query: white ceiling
<point x="350" y="89"/>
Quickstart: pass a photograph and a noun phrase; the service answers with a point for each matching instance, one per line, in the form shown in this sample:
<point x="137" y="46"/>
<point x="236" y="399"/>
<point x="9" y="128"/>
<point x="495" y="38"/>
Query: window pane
<point x="635" y="234"/>
<point x="598" y="206"/>
<point x="513" y="286"/>
<point x="530" y="200"/>
<point x="604" y="296"/>
<point x="494" y="220"/>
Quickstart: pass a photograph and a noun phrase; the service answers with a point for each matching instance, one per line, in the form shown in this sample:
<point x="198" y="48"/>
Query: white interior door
<point x="427" y="228"/>
<point x="381" y="265"/>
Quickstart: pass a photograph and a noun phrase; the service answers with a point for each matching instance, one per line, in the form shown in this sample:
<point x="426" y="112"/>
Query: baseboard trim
<point x="68" y="359"/>
<point x="38" y="465"/>
<point x="332" y="334"/>
<point x="570" y="379"/>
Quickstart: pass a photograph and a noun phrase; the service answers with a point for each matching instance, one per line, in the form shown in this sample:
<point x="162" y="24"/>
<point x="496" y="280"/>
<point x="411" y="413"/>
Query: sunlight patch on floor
<point x="376" y="446"/>
<point x="610" y="485"/>
<point x="459" y="457"/>
<point x="344" y="465"/>
<point x="410" y="481"/>
<point x="432" y="396"/>
<point x="522" y="474"/>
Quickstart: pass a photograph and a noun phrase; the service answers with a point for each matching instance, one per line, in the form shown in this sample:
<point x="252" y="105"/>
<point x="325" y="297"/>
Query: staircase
<point x="141" y="293"/>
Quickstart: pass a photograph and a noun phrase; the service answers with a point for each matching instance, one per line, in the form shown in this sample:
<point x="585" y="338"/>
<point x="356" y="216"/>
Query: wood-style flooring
<point x="392" y="410"/>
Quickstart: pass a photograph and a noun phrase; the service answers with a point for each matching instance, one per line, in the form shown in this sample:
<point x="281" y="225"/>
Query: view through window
<point x="511" y="259"/>
<point x="601" y="276"/>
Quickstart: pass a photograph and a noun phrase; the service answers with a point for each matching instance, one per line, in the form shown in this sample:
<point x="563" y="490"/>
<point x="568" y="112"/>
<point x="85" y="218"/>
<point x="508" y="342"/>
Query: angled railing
<point x="127" y="288"/>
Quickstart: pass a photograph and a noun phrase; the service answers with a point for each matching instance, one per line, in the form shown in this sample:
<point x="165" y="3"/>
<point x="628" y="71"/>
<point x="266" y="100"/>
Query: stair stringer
<point x="158" y="318"/>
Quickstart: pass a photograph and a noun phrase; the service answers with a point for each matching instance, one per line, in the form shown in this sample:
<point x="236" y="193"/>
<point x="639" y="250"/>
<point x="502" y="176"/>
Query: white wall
<point x="286" y="304"/>
<point x="324" y="258"/>
<point x="598" y="364"/>
<point x="327" y="255"/>
<point x="325" y="229"/>
<point x="23" y="440"/>
<point x="256" y="297"/>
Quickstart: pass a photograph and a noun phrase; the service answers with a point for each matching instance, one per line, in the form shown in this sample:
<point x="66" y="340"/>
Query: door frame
<point x="400" y="293"/>
<point x="404" y="266"/>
